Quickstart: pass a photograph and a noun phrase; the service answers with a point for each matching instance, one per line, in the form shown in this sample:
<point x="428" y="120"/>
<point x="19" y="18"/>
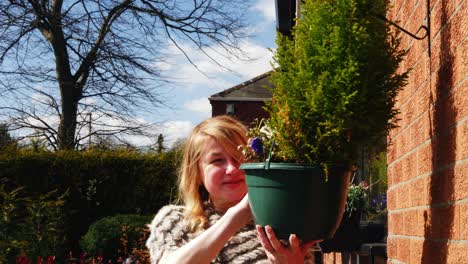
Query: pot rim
<point x="283" y="166"/>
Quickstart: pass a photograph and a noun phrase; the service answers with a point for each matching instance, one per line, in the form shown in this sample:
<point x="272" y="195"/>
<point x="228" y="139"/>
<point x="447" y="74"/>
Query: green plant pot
<point x="297" y="199"/>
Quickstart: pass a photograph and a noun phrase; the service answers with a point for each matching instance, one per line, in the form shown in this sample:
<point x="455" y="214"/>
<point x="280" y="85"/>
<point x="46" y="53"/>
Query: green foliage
<point x="111" y="237"/>
<point x="6" y="140"/>
<point x="357" y="198"/>
<point x="100" y="183"/>
<point x="160" y="144"/>
<point x="335" y="82"/>
<point x="377" y="176"/>
<point x="33" y="224"/>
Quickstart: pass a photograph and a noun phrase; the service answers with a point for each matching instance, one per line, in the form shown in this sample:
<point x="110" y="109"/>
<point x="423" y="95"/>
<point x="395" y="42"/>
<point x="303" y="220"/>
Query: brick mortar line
<point x="431" y="206"/>
<point x="396" y="261"/>
<point x="428" y="174"/>
<point x="398" y="13"/>
<point x="449" y="19"/>
<point x="442" y="240"/>
<point x="431" y="105"/>
<point x="410" y="16"/>
<point x="424" y="143"/>
<point x="428" y="79"/>
<point x="407" y="101"/>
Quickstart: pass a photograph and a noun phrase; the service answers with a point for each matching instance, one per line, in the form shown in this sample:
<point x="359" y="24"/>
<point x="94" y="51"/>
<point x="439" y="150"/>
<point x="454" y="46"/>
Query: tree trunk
<point x="67" y="126"/>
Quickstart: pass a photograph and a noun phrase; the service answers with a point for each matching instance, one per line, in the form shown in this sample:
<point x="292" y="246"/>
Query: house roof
<point x="255" y="89"/>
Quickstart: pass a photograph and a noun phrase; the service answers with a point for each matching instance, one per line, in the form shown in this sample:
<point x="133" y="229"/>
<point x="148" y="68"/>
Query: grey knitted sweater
<point x="170" y="230"/>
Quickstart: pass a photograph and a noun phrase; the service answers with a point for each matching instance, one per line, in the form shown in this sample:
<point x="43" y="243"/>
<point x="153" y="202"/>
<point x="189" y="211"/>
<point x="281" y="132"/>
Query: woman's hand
<point x="277" y="252"/>
<point x="242" y="210"/>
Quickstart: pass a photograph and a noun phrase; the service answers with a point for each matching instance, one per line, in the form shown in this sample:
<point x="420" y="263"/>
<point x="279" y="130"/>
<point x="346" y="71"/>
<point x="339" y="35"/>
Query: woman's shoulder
<point x="167" y="216"/>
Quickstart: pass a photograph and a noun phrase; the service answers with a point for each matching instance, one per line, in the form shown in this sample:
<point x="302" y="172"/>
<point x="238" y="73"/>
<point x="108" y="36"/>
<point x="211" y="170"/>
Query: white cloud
<point x="267" y="9"/>
<point x="200" y="105"/>
<point x="174" y="130"/>
<point x="254" y="61"/>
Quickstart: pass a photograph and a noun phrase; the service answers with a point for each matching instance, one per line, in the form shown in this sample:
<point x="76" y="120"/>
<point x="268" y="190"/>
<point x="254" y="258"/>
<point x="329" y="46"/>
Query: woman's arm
<point x="205" y="247"/>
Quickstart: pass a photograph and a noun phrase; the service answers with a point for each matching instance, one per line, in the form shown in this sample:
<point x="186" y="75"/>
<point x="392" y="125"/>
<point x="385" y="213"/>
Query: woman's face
<point x="221" y="176"/>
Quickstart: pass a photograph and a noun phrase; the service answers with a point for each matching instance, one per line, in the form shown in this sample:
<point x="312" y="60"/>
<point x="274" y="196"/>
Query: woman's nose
<point x="232" y="166"/>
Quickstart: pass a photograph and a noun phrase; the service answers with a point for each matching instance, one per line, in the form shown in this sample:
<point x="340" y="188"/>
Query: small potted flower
<point x="335" y="86"/>
<point x="347" y="237"/>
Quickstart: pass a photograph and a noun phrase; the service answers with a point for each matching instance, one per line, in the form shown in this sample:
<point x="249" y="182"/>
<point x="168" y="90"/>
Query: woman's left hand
<point x="277" y="252"/>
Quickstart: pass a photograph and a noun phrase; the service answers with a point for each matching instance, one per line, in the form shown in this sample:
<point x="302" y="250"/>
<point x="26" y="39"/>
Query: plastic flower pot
<point x="297" y="199"/>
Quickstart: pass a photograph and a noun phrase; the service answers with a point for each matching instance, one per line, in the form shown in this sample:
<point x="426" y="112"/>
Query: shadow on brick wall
<point x="439" y="218"/>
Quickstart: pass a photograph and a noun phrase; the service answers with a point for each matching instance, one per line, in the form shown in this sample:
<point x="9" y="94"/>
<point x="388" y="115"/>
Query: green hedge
<point x="115" y="236"/>
<point x="99" y="183"/>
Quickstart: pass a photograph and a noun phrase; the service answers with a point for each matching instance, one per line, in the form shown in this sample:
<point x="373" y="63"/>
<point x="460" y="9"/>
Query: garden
<point x="89" y="206"/>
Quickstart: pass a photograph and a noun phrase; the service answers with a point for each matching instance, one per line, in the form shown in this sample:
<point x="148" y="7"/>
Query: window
<point x="230" y="110"/>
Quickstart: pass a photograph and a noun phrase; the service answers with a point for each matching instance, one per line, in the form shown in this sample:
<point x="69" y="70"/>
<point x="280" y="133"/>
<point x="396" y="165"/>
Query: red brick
<point x="434" y="252"/>
<point x="460" y="100"/>
<point x="460" y="63"/>
<point x="411" y="220"/>
<point x="392" y="248"/>
<point x="419" y="227"/>
<point x="458" y="27"/>
<point x="418" y="193"/>
<point x="390" y="176"/>
<point x="442" y="223"/>
<point x="395" y="223"/>
<point x="397" y="172"/>
<point x="403" y="196"/>
<point x="463" y="210"/>
<point x="391" y="150"/>
<point x="460" y="182"/>
<point x="444" y="146"/>
<point x="416" y="246"/>
<point x="457" y="253"/>
<point x="440" y="189"/>
<point x="391" y="199"/>
<point x="404" y="250"/>
<point x="424" y="159"/>
<point x="461" y="139"/>
<point x="440" y="15"/>
<point x="406" y="167"/>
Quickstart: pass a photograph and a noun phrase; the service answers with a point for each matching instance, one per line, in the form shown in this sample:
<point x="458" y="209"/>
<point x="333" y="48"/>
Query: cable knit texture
<point x="170" y="231"/>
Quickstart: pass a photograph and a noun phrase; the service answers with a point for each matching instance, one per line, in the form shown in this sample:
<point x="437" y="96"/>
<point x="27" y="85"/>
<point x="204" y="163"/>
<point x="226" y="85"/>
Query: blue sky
<point x="188" y="94"/>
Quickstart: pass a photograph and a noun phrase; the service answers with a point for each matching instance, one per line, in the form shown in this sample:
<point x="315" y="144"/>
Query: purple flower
<point x="257" y="145"/>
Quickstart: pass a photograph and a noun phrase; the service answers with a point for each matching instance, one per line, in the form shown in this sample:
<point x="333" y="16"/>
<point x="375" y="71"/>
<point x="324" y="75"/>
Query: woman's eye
<point x="216" y="161"/>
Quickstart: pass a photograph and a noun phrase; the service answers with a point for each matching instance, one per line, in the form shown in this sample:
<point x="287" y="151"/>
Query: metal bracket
<point x="406" y="31"/>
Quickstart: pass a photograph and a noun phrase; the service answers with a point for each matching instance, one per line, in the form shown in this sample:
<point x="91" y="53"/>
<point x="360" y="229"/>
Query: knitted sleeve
<point x="168" y="232"/>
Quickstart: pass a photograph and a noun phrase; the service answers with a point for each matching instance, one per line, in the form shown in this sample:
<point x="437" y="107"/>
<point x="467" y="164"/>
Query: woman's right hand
<point x="242" y="210"/>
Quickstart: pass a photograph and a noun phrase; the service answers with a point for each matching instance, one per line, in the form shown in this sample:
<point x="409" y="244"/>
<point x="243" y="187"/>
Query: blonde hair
<point x="226" y="131"/>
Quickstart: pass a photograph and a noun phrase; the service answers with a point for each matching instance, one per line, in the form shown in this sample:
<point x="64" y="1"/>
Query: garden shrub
<point x="99" y="183"/>
<point x="116" y="236"/>
<point x="30" y="224"/>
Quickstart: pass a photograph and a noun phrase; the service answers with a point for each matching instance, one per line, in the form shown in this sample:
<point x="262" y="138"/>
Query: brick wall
<point x="246" y="111"/>
<point x="427" y="159"/>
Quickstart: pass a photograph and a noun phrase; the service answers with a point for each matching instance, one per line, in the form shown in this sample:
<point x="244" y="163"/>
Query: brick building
<point x="428" y="155"/>
<point x="427" y="160"/>
<point x="244" y="101"/>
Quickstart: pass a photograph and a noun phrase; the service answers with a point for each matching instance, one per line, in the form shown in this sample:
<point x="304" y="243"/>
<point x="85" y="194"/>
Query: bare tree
<point x="67" y="64"/>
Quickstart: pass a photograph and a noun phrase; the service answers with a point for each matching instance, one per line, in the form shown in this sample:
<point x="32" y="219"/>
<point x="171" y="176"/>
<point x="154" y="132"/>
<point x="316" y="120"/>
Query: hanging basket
<point x="297" y="199"/>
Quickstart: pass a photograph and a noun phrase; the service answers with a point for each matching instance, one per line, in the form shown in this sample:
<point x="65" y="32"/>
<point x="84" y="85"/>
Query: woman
<point x="215" y="223"/>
